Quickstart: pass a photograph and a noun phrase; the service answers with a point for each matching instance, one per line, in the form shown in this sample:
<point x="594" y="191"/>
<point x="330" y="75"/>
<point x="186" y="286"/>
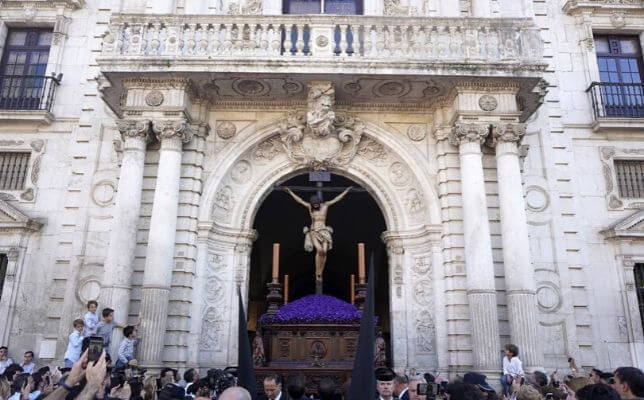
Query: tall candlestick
<point x="276" y="262"/>
<point x="353" y="288"/>
<point x="361" y="273"/>
<point x="285" y="289"/>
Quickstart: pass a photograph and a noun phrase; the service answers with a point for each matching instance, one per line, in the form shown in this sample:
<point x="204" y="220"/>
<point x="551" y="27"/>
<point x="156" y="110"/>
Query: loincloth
<point x="320" y="235"/>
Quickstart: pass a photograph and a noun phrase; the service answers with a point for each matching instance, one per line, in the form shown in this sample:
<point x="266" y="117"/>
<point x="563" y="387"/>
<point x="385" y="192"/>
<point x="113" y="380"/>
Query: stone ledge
<point x="38" y="116"/>
<point x="574" y="6"/>
<point x="608" y="125"/>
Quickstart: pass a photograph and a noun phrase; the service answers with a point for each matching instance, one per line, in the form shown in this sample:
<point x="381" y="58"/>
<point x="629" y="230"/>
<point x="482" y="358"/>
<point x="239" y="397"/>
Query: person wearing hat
<point x="478" y="380"/>
<point x="385" y="383"/>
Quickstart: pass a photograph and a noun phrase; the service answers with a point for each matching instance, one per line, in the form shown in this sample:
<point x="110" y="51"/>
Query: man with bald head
<point x="234" y="393"/>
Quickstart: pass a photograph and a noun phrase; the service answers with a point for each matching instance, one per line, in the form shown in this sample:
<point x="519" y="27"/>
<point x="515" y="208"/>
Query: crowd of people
<point x="89" y="374"/>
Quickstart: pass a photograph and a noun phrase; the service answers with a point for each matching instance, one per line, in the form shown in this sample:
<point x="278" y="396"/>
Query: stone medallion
<point x="103" y="193"/>
<point x="391" y="89"/>
<point x="154" y="98"/>
<point x="416" y="132"/>
<point x="399" y="174"/>
<point x="488" y="103"/>
<point x="250" y="87"/>
<point x="536" y="198"/>
<point x="548" y="297"/>
<point x="241" y="172"/>
<point x="226" y="129"/>
<point x="322" y="41"/>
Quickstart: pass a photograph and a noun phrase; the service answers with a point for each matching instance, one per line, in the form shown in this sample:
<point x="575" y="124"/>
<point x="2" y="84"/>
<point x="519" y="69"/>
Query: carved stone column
<point x="519" y="276"/>
<point x="479" y="266"/>
<point x="159" y="260"/>
<point x="115" y="292"/>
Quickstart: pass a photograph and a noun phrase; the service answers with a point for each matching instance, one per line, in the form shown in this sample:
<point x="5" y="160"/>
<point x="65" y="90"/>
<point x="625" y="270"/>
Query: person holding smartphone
<point x="417" y="382"/>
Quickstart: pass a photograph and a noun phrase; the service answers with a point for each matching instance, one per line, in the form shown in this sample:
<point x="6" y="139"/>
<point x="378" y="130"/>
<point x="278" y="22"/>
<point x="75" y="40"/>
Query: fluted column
<point x="159" y="260"/>
<point x="115" y="291"/>
<point x="479" y="266"/>
<point x="520" y="287"/>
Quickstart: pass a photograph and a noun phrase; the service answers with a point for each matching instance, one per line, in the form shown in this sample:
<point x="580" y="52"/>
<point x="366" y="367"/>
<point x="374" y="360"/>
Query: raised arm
<point x="339" y="197"/>
<point x="298" y="198"/>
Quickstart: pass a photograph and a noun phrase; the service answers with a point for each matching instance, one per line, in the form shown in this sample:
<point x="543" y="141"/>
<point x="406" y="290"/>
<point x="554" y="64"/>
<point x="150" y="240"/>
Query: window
<point x="620" y="92"/>
<point x="630" y="178"/>
<point x="23" y="85"/>
<point x="344" y="7"/>
<point x="3" y="271"/>
<point x="639" y="287"/>
<point x="13" y="170"/>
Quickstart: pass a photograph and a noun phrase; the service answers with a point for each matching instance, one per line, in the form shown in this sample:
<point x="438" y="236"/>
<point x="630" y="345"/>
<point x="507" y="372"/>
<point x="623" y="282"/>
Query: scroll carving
<point x="465" y="133"/>
<point x="134" y="128"/>
<point x="172" y="128"/>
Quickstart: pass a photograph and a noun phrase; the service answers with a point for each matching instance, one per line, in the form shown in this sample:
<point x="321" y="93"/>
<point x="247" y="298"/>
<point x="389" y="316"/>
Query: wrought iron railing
<point x="617" y="100"/>
<point x="28" y="92"/>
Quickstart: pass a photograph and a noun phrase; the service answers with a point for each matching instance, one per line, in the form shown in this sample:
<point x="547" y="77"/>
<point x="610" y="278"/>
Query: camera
<point x="95" y="348"/>
<point x="217" y="380"/>
<point x="427" y="389"/>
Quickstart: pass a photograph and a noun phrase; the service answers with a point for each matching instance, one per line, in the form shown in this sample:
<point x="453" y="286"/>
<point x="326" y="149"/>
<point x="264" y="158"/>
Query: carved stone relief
<point x="414" y="201"/>
<point x="103" y="193"/>
<point x="373" y="151"/>
<point x="423" y="292"/>
<point x="425" y="332"/>
<point x="224" y="202"/>
<point x="422" y="265"/>
<point x="536" y="198"/>
<point x="226" y="129"/>
<point x="154" y="98"/>
<point x="416" y="132"/>
<point x="320" y="139"/>
<point x="549" y="297"/>
<point x="607" y="156"/>
<point x="214" y="290"/>
<point x="488" y="103"/>
<point x="211" y="325"/>
<point x="267" y="150"/>
<point x="241" y="172"/>
<point x="399" y="174"/>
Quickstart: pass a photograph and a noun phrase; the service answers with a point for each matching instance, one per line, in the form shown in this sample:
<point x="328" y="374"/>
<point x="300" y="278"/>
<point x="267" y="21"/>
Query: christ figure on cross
<point x="318" y="236"/>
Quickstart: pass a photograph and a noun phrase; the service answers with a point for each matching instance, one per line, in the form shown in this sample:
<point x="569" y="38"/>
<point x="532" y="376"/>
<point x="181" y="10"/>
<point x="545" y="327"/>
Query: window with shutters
<point x="13" y="170"/>
<point x="630" y="178"/>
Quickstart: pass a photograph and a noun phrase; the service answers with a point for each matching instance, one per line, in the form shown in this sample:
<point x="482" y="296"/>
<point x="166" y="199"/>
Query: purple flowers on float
<point x="315" y="309"/>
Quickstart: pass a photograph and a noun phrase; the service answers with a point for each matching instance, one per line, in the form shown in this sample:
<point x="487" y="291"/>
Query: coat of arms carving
<point x="320" y="139"/>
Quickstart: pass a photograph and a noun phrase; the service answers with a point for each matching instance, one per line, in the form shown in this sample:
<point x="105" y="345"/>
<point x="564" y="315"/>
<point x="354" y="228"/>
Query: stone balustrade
<point x="299" y="38"/>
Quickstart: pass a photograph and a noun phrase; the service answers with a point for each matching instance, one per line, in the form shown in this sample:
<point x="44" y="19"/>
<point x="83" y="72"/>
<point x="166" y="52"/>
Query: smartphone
<point x="421" y="389"/>
<point x="424" y="389"/>
<point x="95" y="348"/>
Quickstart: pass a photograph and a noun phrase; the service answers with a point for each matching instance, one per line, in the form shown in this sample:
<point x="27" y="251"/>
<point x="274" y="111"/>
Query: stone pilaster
<point x="479" y="266"/>
<point x="159" y="262"/>
<point x="115" y="292"/>
<point x="519" y="276"/>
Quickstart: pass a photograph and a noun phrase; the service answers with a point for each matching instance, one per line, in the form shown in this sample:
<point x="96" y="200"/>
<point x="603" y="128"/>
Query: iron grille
<point x="630" y="178"/>
<point x="27" y="92"/>
<point x="13" y="170"/>
<point x="617" y="100"/>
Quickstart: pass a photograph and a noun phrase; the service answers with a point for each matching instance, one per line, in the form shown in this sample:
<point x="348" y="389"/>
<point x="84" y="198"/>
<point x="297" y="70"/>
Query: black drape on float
<point x="246" y="368"/>
<point x="363" y="380"/>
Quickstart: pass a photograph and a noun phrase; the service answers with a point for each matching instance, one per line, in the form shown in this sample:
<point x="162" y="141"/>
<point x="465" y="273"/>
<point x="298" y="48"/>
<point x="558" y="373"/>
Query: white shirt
<point x="91" y="324"/>
<point x="29" y="368"/>
<point x="512" y="367"/>
<point x="4" y="364"/>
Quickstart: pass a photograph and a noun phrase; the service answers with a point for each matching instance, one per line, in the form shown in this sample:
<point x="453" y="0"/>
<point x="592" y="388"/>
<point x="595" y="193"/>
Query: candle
<point x="276" y="262"/>
<point x="361" y="274"/>
<point x="353" y="288"/>
<point x="285" y="289"/>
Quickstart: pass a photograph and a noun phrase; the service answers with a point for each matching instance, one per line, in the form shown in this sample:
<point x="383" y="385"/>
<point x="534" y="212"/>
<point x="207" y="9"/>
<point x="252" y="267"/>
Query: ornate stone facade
<point x="497" y="184"/>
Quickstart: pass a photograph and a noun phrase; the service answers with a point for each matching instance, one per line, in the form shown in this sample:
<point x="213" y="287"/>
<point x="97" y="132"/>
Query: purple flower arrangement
<point x="315" y="309"/>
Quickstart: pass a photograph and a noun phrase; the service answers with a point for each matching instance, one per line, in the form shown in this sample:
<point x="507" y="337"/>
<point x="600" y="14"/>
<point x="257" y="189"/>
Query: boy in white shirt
<point x="73" y="352"/>
<point x="512" y="367"/>
<point x="91" y="319"/>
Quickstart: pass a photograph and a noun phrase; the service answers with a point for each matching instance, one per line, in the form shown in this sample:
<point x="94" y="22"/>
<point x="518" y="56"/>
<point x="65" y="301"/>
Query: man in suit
<point x="273" y="388"/>
<point x="401" y="387"/>
<point x="385" y="384"/>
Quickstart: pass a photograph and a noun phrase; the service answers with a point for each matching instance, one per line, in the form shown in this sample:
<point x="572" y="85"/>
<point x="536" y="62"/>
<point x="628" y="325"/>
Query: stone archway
<point x="396" y="178"/>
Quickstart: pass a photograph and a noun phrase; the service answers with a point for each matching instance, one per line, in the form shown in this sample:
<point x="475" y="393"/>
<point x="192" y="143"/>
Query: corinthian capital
<point x="167" y="129"/>
<point x="131" y="128"/>
<point x="467" y="133"/>
<point x="509" y="132"/>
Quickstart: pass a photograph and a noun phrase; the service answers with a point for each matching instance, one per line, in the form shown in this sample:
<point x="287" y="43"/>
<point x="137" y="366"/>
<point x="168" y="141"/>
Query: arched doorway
<point x="279" y="219"/>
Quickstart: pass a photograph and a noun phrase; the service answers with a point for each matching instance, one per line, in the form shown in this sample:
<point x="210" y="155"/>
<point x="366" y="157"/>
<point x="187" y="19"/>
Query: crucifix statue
<point x="318" y="236"/>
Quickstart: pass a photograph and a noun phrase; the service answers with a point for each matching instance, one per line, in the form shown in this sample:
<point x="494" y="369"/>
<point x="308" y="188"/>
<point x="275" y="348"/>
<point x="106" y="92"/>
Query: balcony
<point x="617" y="105"/>
<point x="352" y="50"/>
<point x="27" y="97"/>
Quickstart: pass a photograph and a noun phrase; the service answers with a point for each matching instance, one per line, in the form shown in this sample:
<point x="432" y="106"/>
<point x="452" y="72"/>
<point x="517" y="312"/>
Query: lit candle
<point x="353" y="288"/>
<point x="276" y="262"/>
<point x="285" y="289"/>
<point x="361" y="274"/>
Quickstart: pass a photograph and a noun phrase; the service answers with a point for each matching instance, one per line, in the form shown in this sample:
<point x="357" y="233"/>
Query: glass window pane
<point x="630" y="46"/>
<point x="613" y="77"/>
<point x="601" y="44"/>
<point x="637" y="78"/>
<point x="17" y="38"/>
<point x="602" y="64"/>
<point x="44" y="39"/>
<point x="22" y="57"/>
<point x="626" y="78"/>
<point x="612" y="64"/>
<point x="603" y="76"/>
<point x="624" y="65"/>
<point x="302" y="6"/>
<point x="633" y="63"/>
<point x="345" y="7"/>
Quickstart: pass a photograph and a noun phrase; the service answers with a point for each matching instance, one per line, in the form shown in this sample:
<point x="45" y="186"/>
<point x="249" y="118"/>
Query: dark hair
<point x="11" y="370"/>
<point x="633" y="377"/>
<point x="296" y="385"/>
<point x="37" y="378"/>
<point x="136" y="386"/>
<point x="18" y="383"/>
<point x="277" y="378"/>
<point x="43" y="370"/>
<point x="315" y="199"/>
<point x="30" y="352"/>
<point x="597" y="391"/>
<point x="326" y="389"/>
<point x="106" y="312"/>
<point x="128" y="330"/>
<point x="458" y="390"/>
<point x="605" y="376"/>
<point x="512" y="349"/>
<point x="401" y="379"/>
<point x="117" y="380"/>
<point x="4" y="347"/>
<point x="189" y="375"/>
<point x="597" y="371"/>
<point x="165" y="370"/>
<point x="540" y="378"/>
<point x="89" y="303"/>
<point x="77" y="322"/>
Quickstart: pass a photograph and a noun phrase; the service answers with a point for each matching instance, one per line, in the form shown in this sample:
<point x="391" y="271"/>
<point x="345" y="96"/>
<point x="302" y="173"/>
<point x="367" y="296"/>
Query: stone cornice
<point x="42" y="4"/>
<point x="631" y="227"/>
<point x="572" y="7"/>
<point x="13" y="220"/>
